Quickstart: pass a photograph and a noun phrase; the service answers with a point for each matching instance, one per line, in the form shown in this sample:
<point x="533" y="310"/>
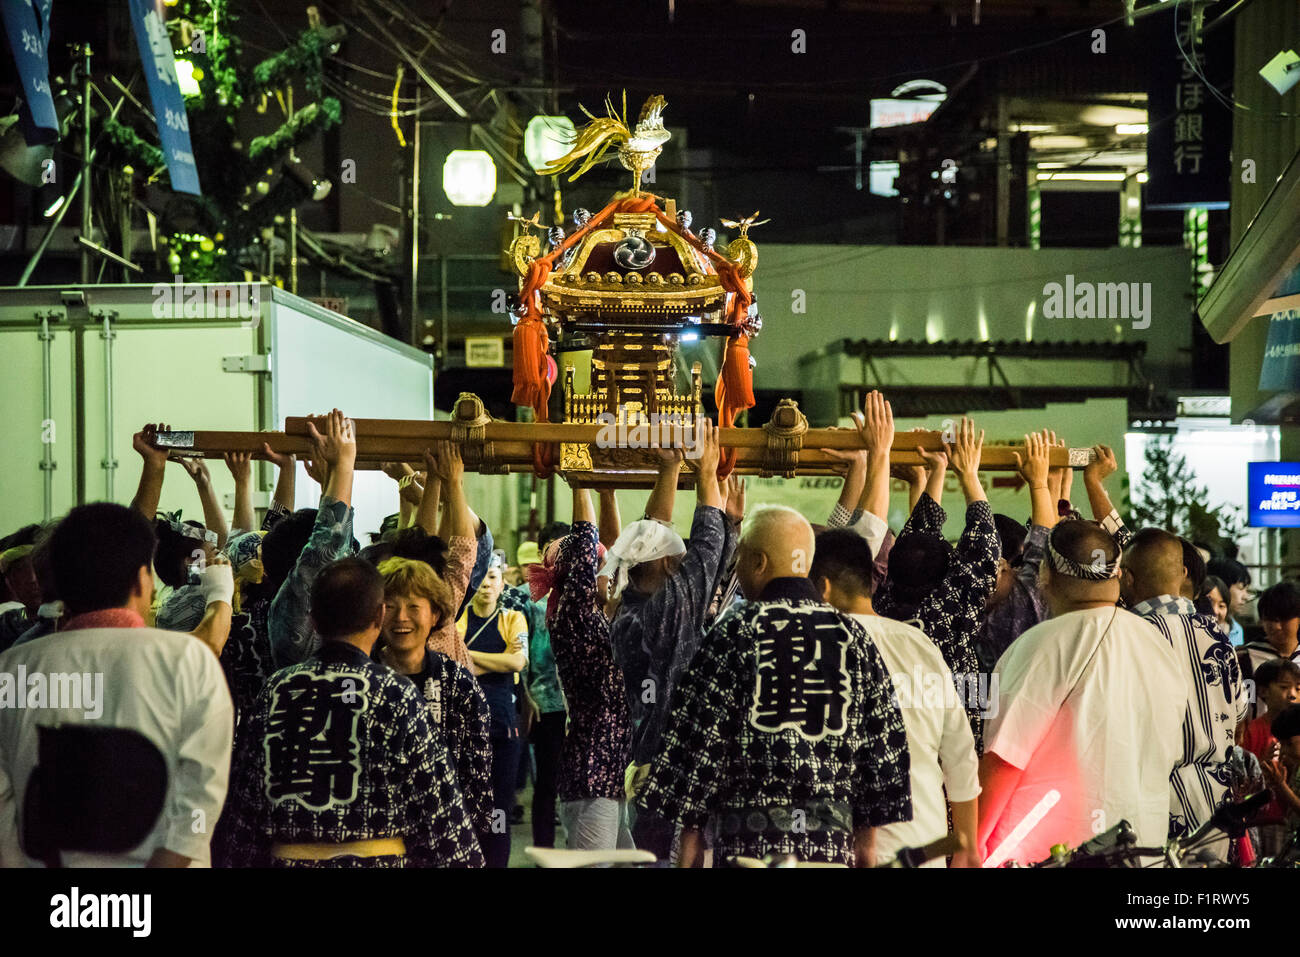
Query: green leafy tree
<point x="242" y="195"/>
<point x="1168" y="496"/>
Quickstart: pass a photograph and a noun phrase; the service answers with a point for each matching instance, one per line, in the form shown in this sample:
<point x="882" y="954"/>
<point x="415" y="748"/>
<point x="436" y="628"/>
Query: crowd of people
<point x="836" y="692"/>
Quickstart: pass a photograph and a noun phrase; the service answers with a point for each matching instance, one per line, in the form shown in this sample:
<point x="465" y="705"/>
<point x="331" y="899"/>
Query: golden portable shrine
<point x="624" y="284"/>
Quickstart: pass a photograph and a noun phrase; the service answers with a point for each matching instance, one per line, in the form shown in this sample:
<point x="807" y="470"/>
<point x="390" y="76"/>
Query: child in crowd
<point x="1277" y="686"/>
<point x="1279" y="616"/>
<point x="1213" y="601"/>
<point x="1282" y="769"/>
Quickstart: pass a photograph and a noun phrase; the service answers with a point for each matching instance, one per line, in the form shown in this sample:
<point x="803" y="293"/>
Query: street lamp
<point x="469" y="178"/>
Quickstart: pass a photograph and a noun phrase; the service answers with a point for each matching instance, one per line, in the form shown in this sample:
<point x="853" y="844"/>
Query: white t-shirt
<point x="1103" y="730"/>
<point x="166" y="685"/>
<point x="940" y="746"/>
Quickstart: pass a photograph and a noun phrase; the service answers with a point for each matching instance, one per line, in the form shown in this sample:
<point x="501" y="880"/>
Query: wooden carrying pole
<point x="785" y="446"/>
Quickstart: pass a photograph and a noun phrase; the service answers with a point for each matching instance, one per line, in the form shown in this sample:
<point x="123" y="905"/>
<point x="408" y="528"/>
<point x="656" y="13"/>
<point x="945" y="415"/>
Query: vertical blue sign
<point x="28" y="40"/>
<point x="164" y="90"/>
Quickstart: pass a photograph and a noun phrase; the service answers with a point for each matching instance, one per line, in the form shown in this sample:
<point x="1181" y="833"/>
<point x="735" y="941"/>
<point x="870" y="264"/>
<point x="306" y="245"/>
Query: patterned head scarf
<point x="1098" y="570"/>
<point x="245" y="554"/>
<point x="187" y="529"/>
<point x="645" y="540"/>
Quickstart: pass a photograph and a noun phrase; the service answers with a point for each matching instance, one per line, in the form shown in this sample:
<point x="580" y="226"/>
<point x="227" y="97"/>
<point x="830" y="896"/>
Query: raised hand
<point x="669" y="457"/>
<point x="964" y="453"/>
<point x="197" y="469"/>
<point x="911" y="474"/>
<point x="735" y="490"/>
<point x="707" y="450"/>
<point x="1056" y="473"/>
<point x="1102" y="465"/>
<point x="216" y="579"/>
<point x="284" y="461"/>
<point x="144" y="443"/>
<point x="1033" y="465"/>
<point x="241" y="469"/>
<point x="848" y="460"/>
<point x="338" y="444"/>
<point x="317" y="470"/>
<point x="240" y="465"/>
<point x="876" y="424"/>
<point x="396" y="470"/>
<point x="443" y="462"/>
<point x="933" y="460"/>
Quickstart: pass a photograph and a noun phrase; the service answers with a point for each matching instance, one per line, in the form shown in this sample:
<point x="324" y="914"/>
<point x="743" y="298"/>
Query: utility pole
<point x="85" y="161"/>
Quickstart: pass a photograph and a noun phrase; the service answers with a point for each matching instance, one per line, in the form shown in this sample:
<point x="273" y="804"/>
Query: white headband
<point x="644" y="540"/>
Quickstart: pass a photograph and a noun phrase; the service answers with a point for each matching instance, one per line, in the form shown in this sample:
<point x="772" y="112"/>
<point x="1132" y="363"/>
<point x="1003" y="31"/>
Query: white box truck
<point x="82" y="368"/>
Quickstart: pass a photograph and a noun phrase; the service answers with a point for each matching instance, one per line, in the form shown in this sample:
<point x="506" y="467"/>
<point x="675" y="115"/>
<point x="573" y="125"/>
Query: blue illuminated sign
<point x="1273" y="494"/>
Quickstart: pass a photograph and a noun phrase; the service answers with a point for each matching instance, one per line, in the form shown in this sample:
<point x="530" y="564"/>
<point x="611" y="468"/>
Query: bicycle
<point x="1118" y="846"/>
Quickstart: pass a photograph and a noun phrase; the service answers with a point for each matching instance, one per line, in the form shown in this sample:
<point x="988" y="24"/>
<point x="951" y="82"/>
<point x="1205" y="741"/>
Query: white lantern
<point x="547" y="138"/>
<point x="469" y="178"/>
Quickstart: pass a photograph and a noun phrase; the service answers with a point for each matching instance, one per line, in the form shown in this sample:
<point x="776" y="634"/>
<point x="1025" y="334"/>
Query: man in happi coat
<point x="339" y="765"/>
<point x="783" y="728"/>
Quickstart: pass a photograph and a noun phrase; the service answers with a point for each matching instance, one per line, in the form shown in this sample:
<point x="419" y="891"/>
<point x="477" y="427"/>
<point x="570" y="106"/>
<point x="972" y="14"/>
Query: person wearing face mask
<point x="497" y="641"/>
<point x="416" y="600"/>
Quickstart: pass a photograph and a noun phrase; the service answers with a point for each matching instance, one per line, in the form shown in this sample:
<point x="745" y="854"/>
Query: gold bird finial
<point x="534" y="221"/>
<point x="638" y="146"/>
<point x="744" y="224"/>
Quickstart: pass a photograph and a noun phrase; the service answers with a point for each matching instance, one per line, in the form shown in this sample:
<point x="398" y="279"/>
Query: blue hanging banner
<point x="28" y="40"/>
<point x="164" y="91"/>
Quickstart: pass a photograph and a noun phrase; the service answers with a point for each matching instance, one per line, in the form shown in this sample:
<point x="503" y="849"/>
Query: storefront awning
<point x="1262" y="275"/>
